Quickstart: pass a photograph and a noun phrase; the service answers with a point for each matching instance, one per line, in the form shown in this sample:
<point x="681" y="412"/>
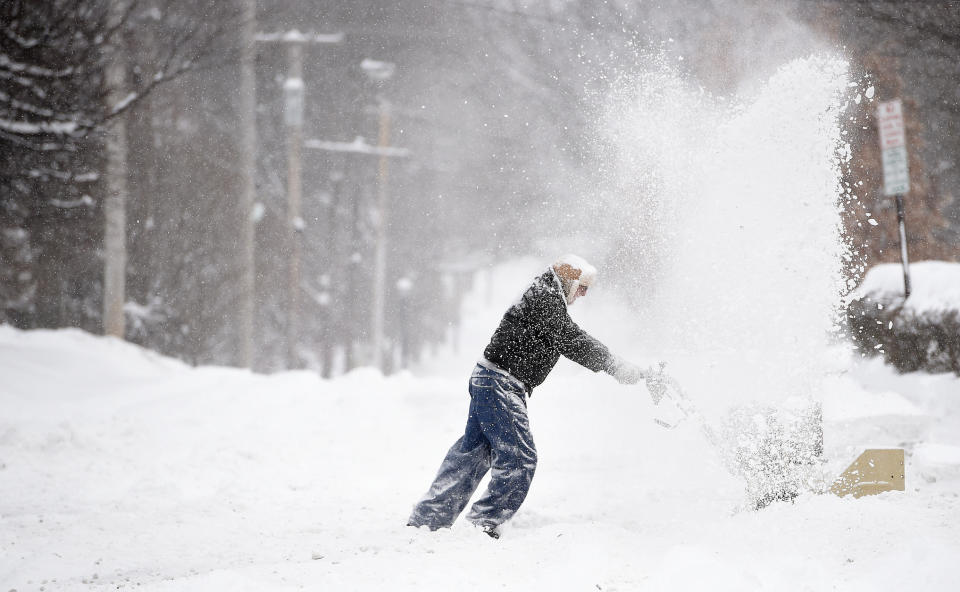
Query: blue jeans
<point x="497" y="438"/>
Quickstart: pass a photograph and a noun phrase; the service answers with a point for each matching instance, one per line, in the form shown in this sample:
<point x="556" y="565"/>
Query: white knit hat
<point x="574" y="271"/>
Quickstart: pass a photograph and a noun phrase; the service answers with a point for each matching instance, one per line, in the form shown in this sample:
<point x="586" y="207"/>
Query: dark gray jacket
<point x="537" y="330"/>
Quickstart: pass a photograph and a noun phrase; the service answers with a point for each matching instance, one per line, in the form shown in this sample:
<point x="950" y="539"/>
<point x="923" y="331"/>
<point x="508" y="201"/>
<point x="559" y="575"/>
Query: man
<point x="532" y="336"/>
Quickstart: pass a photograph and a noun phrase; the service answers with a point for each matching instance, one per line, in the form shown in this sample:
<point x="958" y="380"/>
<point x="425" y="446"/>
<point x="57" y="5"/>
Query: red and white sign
<point x="893" y="143"/>
<point x="890" y="120"/>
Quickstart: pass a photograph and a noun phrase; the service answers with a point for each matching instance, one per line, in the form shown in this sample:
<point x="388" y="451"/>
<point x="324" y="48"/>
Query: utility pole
<point x="293" y="90"/>
<point x="360" y="147"/>
<point x="333" y="275"/>
<point x="380" y="72"/>
<point x="115" y="204"/>
<point x="248" y="190"/>
<point x="293" y="118"/>
<point x="380" y="256"/>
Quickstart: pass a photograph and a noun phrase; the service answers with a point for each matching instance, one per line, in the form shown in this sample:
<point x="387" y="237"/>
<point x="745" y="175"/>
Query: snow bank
<point x="844" y="399"/>
<point x="919" y="333"/>
<point x="934" y="285"/>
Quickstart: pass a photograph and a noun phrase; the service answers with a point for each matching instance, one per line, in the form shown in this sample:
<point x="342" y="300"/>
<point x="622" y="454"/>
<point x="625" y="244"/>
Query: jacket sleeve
<point x="577" y="345"/>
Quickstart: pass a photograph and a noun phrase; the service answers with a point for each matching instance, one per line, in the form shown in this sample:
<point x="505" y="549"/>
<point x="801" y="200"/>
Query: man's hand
<point x="625" y="372"/>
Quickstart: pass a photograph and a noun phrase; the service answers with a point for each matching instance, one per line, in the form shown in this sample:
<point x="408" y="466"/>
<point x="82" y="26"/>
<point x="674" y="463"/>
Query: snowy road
<point x="122" y="469"/>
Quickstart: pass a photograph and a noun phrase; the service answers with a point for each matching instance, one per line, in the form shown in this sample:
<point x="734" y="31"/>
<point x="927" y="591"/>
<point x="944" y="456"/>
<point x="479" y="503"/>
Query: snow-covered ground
<point x="121" y="469"/>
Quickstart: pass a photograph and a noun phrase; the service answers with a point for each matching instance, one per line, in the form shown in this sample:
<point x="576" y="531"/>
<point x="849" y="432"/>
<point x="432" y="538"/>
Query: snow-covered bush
<point x="776" y="452"/>
<point x="921" y="332"/>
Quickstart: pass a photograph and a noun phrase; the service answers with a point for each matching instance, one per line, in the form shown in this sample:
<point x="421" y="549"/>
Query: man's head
<point x="576" y="275"/>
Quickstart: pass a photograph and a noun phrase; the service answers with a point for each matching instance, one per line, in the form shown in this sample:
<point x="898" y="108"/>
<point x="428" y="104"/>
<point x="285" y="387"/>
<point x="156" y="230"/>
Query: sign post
<point x="896" y="174"/>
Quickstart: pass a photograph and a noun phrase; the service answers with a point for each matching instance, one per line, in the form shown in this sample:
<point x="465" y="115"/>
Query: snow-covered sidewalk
<point x="123" y="469"/>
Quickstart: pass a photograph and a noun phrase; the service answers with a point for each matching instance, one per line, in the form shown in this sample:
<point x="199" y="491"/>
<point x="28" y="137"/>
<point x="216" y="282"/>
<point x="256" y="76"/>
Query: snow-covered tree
<point x="56" y="108"/>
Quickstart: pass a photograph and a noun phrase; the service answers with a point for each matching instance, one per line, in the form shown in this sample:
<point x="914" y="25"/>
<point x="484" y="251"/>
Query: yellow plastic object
<point x="875" y="471"/>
